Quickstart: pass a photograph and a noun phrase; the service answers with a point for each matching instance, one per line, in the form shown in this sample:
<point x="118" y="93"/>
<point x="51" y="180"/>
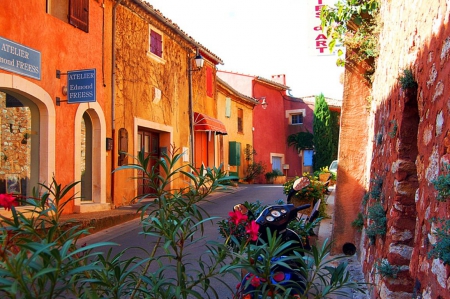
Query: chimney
<point x="279" y="79"/>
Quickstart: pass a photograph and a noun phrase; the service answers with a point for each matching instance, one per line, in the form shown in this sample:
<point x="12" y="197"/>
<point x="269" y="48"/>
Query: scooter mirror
<point x="241" y="208"/>
<point x="301" y="183"/>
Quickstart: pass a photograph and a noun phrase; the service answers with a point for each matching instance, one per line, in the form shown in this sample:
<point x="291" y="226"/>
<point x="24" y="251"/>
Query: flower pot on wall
<point x="280" y="180"/>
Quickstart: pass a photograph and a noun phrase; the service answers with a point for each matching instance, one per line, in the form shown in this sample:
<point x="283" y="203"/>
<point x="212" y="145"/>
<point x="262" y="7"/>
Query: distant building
<point x="276" y="116"/>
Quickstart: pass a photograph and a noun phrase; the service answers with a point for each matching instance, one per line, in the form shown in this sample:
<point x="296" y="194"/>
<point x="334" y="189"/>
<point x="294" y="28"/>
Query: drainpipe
<point x="191" y="112"/>
<point x="113" y="98"/>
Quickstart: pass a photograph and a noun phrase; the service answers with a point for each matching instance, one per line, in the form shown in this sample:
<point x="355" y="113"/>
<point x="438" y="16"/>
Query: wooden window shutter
<point x="79" y="14"/>
<point x="228" y="107"/>
<point x="209" y="82"/>
<point x="156" y="43"/>
<point x="123" y="147"/>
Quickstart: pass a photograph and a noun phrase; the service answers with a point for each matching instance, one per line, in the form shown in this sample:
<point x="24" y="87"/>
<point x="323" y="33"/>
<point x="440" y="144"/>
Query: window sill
<point x="155" y="57"/>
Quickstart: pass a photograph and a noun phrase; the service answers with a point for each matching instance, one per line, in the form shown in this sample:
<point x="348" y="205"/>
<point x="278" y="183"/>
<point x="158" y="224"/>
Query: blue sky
<point x="260" y="37"/>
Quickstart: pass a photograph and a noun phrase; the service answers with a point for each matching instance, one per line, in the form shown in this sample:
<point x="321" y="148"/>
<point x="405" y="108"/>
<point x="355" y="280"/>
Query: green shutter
<point x="234" y="153"/>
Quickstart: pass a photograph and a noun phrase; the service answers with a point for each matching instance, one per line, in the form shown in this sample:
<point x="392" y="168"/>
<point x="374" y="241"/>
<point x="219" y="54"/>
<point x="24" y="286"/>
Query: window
<point x="156" y="43"/>
<point x="297" y="119"/>
<point x="74" y="12"/>
<point x="240" y="121"/>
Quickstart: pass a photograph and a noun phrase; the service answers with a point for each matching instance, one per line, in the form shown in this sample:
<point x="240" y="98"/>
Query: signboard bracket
<point x="58" y="101"/>
<point x="59" y="74"/>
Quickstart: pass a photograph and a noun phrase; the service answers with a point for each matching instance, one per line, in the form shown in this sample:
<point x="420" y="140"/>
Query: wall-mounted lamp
<point x="263" y="102"/>
<point x="199" y="60"/>
<point x="199" y="64"/>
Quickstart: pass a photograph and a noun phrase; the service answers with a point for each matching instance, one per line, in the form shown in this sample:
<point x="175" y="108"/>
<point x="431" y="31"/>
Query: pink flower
<point x="7" y="201"/>
<point x="237" y="217"/>
<point x="252" y="229"/>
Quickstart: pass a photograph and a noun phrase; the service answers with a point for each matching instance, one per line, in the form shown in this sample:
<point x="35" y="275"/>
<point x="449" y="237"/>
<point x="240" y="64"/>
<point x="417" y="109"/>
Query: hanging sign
<point x="318" y="41"/>
<point x="19" y="59"/>
<point x="81" y="86"/>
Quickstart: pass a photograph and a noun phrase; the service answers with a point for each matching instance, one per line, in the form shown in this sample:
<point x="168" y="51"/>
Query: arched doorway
<point x="90" y="158"/>
<point x="86" y="158"/>
<point x="28" y="135"/>
<point x="19" y="137"/>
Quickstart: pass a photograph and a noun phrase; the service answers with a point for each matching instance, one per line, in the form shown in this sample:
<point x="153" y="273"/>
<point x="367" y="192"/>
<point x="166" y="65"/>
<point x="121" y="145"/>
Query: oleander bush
<point x="40" y="255"/>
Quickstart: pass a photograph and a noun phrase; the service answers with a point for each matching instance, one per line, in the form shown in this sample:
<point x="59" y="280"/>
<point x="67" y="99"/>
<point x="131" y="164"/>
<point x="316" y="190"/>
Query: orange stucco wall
<point x="62" y="47"/>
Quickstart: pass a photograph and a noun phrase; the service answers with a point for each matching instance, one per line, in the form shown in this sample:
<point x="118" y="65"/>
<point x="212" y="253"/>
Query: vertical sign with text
<point x="81" y="86"/>
<point x="318" y="39"/>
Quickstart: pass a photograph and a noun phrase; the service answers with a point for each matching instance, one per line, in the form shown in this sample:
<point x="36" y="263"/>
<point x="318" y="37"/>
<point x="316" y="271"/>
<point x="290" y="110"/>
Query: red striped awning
<point x="203" y="122"/>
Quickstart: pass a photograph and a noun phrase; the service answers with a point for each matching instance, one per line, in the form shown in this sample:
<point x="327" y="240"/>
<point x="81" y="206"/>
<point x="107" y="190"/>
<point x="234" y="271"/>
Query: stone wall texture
<point x="407" y="132"/>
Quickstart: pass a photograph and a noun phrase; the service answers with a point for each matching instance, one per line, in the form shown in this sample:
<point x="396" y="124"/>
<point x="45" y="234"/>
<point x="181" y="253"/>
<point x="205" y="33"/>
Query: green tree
<point x="301" y="140"/>
<point x="334" y="134"/>
<point x="322" y="133"/>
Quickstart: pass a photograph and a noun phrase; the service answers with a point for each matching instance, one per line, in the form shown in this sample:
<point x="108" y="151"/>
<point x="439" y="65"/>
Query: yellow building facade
<point x="235" y="110"/>
<point x="157" y="92"/>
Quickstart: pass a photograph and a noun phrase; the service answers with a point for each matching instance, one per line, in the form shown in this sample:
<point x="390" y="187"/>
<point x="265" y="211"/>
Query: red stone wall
<point x="408" y="142"/>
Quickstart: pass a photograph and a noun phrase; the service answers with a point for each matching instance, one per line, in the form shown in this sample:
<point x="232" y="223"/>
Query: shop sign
<point x="19" y="59"/>
<point x="81" y="86"/>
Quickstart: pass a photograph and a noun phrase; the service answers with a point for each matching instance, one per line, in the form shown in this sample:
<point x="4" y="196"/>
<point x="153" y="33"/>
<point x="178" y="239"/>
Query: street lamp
<point x="199" y="64"/>
<point x="264" y="103"/>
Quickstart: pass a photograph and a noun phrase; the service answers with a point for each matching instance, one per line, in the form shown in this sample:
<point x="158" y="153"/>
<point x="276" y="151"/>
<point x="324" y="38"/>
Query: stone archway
<point x="98" y="157"/>
<point x="47" y="118"/>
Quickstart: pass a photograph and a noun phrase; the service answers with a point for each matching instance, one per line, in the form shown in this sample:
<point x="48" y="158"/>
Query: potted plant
<point x="273" y="175"/>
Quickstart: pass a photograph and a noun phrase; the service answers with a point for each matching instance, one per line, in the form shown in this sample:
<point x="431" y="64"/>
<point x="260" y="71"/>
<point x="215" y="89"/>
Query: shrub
<point x="358" y="223"/>
<point x="378" y="220"/>
<point x="270" y="176"/>
<point x="385" y="269"/>
<point x="254" y="170"/>
<point x="315" y="190"/>
<point x="407" y="79"/>
<point x="40" y="257"/>
<point x="441" y="249"/>
<point x="442" y="185"/>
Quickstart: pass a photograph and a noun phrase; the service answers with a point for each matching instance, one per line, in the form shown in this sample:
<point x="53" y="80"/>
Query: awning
<point x="203" y="122"/>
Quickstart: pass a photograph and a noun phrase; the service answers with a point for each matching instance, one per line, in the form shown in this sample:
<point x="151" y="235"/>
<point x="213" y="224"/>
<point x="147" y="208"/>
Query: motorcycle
<point x="273" y="221"/>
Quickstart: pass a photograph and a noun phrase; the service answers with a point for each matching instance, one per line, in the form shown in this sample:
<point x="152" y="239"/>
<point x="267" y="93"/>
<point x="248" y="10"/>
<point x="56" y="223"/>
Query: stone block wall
<point x="15" y="133"/>
<point x="408" y="145"/>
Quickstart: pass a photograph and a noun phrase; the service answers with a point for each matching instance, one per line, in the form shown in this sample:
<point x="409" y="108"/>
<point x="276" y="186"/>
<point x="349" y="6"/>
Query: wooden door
<point x="149" y="143"/>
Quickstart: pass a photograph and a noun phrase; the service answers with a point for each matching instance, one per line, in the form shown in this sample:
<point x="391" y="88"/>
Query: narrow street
<point x="128" y="235"/>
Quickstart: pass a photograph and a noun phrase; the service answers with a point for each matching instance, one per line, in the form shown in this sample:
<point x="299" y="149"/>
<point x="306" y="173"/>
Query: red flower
<point x="252" y="229"/>
<point x="7" y="201"/>
<point x="237" y="217"/>
<point x="256" y="282"/>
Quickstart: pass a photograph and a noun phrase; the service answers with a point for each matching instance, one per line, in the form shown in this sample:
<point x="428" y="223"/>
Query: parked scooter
<point x="274" y="220"/>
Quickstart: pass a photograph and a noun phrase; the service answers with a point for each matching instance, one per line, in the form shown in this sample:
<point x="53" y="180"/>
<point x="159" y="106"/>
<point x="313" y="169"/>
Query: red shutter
<point x="209" y="82"/>
<point x="79" y="14"/>
<point x="156" y="43"/>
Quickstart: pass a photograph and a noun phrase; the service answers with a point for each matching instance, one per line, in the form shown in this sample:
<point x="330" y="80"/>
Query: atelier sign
<point x="81" y="86"/>
<point x="19" y="59"/>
